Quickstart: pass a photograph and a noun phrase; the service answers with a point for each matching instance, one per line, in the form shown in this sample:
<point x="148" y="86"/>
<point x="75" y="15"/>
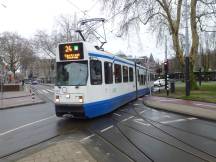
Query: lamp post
<point x="187" y="70"/>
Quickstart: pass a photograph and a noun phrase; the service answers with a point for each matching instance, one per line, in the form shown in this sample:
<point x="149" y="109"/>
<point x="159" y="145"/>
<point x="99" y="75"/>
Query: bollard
<point x="33" y="97"/>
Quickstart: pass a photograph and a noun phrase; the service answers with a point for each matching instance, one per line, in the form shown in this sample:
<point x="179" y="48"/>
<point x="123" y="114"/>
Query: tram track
<point x="210" y="156"/>
<point x="168" y="125"/>
<point x="122" y="150"/>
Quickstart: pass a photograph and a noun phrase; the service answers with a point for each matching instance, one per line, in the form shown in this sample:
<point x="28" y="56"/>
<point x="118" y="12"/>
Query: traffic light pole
<point x="187" y="78"/>
<point x="166" y="77"/>
<point x="166" y="66"/>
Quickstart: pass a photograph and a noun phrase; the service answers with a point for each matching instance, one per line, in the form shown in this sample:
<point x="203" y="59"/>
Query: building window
<point x="118" y="74"/>
<point x="108" y="72"/>
<point x="131" y="76"/>
<point x="125" y="74"/>
<point x="96" y="72"/>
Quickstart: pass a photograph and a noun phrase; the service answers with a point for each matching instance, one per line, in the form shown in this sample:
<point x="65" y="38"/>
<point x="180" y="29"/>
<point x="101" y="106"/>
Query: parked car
<point x="159" y="82"/>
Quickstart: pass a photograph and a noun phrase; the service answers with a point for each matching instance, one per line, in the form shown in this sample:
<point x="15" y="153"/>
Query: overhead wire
<point x="85" y="13"/>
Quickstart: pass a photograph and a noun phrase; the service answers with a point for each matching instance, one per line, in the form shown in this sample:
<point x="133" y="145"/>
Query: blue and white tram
<point x="91" y="82"/>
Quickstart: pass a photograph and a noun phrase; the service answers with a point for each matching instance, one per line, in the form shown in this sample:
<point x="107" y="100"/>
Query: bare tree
<point x="46" y="43"/>
<point x="27" y="56"/>
<point x="12" y="47"/>
<point x="162" y="16"/>
<point x="67" y="25"/>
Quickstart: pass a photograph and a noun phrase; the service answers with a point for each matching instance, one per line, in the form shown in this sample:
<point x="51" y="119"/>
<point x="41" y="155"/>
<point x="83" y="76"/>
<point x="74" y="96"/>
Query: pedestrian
<point x="22" y="82"/>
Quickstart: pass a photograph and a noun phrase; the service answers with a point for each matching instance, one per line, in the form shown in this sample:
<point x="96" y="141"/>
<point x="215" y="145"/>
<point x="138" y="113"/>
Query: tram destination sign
<point x="71" y="51"/>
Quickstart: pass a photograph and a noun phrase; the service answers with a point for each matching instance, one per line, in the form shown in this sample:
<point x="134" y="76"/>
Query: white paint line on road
<point x="136" y="104"/>
<point x="173" y="121"/>
<point x="192" y="118"/>
<point x="127" y="118"/>
<point x="26" y="125"/>
<point x="50" y="90"/>
<point x="86" y="138"/>
<point x="116" y="114"/>
<point x="205" y="105"/>
<point x="105" y="129"/>
<point x="45" y="91"/>
<point x="140" y="121"/>
<point x="39" y="91"/>
<point x="166" y="116"/>
<point x="142" y="111"/>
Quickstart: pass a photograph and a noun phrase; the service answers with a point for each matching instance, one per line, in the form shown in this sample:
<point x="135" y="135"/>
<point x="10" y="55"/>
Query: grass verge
<point x="206" y="92"/>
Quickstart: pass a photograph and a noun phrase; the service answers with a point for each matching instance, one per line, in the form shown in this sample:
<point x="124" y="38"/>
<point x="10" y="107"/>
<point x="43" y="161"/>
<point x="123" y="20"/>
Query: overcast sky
<point x="27" y="16"/>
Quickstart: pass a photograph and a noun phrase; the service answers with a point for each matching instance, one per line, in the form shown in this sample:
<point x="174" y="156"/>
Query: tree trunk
<point x="193" y="83"/>
<point x="195" y="43"/>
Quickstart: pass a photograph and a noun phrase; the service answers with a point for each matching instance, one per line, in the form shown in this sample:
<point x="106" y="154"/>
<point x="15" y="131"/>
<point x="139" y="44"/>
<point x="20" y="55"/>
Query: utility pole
<point x="166" y="68"/>
<point x="187" y="69"/>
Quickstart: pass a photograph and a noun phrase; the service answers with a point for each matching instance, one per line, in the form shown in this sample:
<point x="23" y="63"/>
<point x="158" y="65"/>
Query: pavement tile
<point x="62" y="151"/>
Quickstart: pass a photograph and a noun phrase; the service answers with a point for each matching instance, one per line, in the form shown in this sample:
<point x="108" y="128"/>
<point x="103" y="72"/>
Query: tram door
<point x="108" y="78"/>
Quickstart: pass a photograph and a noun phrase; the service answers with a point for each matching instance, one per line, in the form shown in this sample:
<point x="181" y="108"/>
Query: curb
<point x="14" y="97"/>
<point x="180" y="112"/>
<point x="22" y="105"/>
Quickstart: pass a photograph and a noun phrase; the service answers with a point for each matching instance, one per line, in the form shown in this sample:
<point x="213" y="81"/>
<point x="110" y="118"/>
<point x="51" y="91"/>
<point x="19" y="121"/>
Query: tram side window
<point x="118" y="74"/>
<point x="131" y="76"/>
<point x="141" y="79"/>
<point x="125" y="74"/>
<point x="108" y="71"/>
<point x="138" y="76"/>
<point x="144" y="82"/>
<point x="96" y="72"/>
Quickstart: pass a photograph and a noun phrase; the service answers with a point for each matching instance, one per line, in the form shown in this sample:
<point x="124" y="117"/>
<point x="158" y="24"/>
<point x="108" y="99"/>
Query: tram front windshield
<point x="72" y="73"/>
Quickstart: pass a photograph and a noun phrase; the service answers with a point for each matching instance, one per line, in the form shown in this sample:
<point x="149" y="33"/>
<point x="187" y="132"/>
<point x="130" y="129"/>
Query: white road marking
<point x="142" y="111"/>
<point x="140" y="99"/>
<point x="136" y="104"/>
<point x="173" y="121"/>
<point x="127" y="118"/>
<point x="50" y="90"/>
<point x="45" y="91"/>
<point x="140" y="121"/>
<point x="26" y="125"/>
<point x="205" y="105"/>
<point x="39" y="91"/>
<point x="105" y="129"/>
<point x="167" y="116"/>
<point x="116" y="114"/>
<point x="86" y="138"/>
<point x="192" y="118"/>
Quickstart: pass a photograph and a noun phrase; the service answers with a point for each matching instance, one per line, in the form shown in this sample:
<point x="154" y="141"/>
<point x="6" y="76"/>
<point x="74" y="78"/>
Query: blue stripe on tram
<point x="103" y="107"/>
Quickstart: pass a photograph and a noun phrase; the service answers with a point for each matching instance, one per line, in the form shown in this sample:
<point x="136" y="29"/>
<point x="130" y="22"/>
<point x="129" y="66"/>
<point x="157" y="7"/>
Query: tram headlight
<point x="57" y="99"/>
<point x="81" y="99"/>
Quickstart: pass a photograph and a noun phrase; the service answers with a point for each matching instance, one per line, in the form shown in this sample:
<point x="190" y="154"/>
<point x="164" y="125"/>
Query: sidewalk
<point x="66" y="150"/>
<point x="193" y="108"/>
<point x="18" y="98"/>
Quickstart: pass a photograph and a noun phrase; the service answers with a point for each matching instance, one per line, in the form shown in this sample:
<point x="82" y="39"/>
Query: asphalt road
<point x="132" y="133"/>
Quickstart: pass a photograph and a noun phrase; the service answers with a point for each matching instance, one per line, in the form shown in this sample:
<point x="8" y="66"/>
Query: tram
<point x="92" y="82"/>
